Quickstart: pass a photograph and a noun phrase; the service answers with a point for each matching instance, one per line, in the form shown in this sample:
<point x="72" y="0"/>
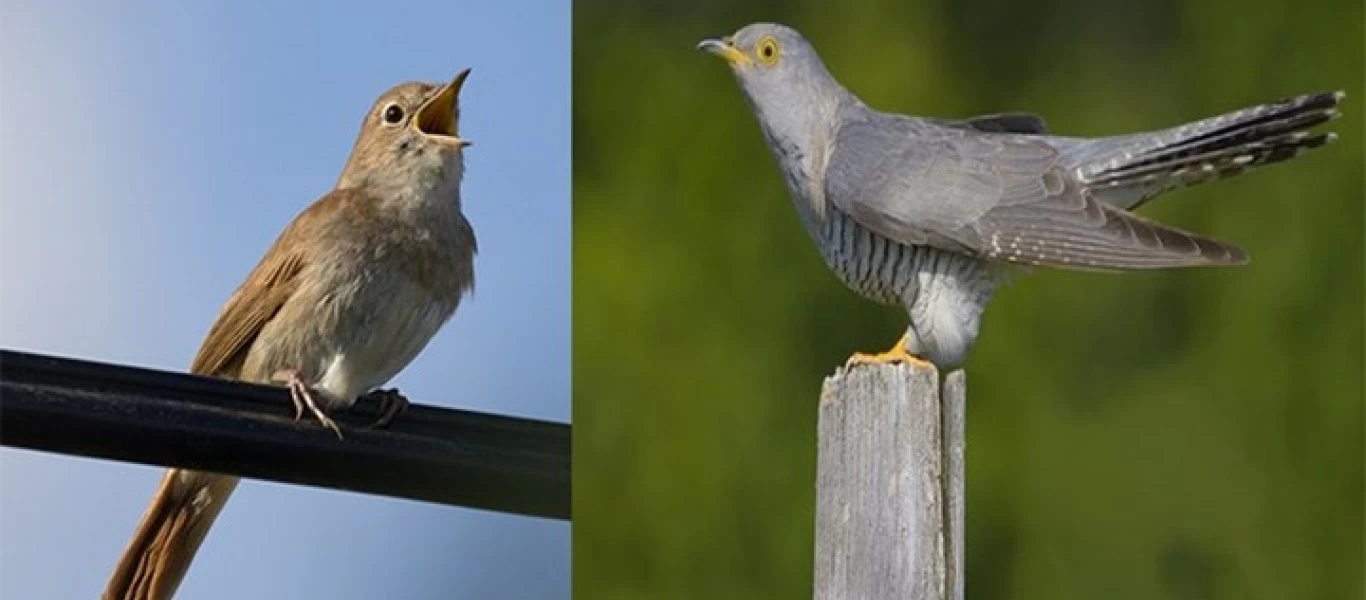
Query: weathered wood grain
<point x="889" y="497"/>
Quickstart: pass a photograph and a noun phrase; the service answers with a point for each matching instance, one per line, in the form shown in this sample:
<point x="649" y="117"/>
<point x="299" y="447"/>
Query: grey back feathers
<point x="998" y="187"/>
<point x="1000" y="197"/>
<point x="925" y="211"/>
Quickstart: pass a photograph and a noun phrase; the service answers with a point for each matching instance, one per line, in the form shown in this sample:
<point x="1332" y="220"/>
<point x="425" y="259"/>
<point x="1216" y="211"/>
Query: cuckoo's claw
<point x="298" y="392"/>
<point x="895" y="354"/>
<point x="391" y="404"/>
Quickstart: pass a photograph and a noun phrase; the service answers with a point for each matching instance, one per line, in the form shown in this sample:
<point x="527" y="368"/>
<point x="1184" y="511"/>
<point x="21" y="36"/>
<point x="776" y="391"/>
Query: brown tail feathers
<point x="185" y="505"/>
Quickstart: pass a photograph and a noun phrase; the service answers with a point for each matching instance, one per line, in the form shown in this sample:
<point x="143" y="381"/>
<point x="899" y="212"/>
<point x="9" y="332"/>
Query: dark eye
<point x="393" y="114"/>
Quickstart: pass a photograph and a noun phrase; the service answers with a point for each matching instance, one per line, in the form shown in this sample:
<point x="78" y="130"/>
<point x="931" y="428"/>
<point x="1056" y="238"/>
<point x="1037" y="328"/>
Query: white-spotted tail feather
<point x="1129" y="170"/>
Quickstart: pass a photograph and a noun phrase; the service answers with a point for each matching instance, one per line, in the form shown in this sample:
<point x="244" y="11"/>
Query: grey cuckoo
<point x="930" y="213"/>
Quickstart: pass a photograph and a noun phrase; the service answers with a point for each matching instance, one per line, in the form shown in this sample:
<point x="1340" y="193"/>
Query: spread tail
<point x="1128" y="170"/>
<point x="156" y="559"/>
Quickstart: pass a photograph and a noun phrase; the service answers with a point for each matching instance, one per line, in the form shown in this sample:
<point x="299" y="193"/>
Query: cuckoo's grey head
<point x="408" y="141"/>
<point x="792" y="93"/>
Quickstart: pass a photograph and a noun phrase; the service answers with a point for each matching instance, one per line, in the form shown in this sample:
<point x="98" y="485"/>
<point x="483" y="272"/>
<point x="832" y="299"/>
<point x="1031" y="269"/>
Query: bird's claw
<point x="894" y="355"/>
<point x="303" y="399"/>
<point x="391" y="404"/>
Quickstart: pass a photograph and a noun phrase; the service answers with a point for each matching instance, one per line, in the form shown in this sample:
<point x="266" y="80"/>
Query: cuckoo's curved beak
<point x="725" y="48"/>
<point x="437" y="118"/>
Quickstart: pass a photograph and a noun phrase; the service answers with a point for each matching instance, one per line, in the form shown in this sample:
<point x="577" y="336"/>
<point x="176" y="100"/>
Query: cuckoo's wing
<point x="1012" y="122"/>
<point x="1008" y="123"/>
<point x="998" y="197"/>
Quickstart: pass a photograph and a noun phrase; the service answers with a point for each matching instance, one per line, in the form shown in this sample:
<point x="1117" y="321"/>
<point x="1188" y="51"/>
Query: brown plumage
<point x="347" y="295"/>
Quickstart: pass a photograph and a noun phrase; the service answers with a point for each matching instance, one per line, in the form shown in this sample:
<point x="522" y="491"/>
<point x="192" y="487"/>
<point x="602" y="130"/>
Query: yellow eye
<point x="767" y="50"/>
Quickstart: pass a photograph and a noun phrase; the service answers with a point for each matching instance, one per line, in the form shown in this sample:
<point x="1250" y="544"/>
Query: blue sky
<point x="151" y="151"/>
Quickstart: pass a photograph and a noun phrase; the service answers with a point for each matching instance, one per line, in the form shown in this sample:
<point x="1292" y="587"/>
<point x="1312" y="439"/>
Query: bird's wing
<point x="248" y="310"/>
<point x="993" y="196"/>
<point x="265" y="290"/>
<point x="1013" y="122"/>
<point x="187" y="502"/>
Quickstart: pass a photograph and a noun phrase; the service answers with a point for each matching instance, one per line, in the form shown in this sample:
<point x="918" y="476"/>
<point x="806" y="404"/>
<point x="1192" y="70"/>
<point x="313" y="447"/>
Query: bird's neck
<point x="800" y="135"/>
<point x="428" y="192"/>
<point x="425" y="212"/>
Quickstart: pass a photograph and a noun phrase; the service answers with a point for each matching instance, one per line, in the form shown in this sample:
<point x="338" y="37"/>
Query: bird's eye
<point x="393" y="114"/>
<point x="767" y="49"/>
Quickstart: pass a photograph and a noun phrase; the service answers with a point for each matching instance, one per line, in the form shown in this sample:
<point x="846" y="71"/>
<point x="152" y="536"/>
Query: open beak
<point x="725" y="48"/>
<point x="437" y="117"/>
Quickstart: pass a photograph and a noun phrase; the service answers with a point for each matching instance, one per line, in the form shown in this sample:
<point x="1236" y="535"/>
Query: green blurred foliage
<point x="1185" y="435"/>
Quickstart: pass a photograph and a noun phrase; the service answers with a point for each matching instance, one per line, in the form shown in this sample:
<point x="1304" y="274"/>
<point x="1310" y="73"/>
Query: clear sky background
<point x="149" y="154"/>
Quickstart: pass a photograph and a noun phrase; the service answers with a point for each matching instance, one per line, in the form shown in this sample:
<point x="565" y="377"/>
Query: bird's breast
<point x="363" y="313"/>
<point x="943" y="292"/>
<point x="870" y="264"/>
<point x="392" y="318"/>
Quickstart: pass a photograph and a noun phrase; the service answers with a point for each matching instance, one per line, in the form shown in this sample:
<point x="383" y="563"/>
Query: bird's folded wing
<point x="998" y="197"/>
<point x="186" y="502"/>
<point x="254" y="303"/>
<point x="1013" y="122"/>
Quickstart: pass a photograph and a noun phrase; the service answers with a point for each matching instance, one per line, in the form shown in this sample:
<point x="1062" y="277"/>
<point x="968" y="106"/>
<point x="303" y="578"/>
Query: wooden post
<point x="889" y="491"/>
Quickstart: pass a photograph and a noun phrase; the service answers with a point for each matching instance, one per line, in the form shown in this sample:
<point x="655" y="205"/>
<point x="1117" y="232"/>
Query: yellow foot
<point x="895" y="354"/>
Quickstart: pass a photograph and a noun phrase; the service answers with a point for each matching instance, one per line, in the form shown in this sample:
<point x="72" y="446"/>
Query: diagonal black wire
<point x="453" y="457"/>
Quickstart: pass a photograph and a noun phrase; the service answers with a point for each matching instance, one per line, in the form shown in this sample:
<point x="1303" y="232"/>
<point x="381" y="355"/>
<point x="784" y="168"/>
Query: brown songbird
<point x="347" y="296"/>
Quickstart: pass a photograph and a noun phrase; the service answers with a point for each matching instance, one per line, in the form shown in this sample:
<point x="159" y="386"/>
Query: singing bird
<point x="346" y="297"/>
<point x="926" y="213"/>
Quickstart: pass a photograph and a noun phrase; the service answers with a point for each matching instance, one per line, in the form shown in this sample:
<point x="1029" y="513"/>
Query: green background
<point x="1192" y="434"/>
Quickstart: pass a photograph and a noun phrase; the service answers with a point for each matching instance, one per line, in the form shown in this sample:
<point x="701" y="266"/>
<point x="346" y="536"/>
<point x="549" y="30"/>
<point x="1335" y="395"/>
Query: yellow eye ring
<point x="767" y="50"/>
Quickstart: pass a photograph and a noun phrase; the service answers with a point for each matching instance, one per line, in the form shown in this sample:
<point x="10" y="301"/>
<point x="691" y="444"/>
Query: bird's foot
<point x="303" y="398"/>
<point x="391" y="404"/>
<point x="895" y="354"/>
